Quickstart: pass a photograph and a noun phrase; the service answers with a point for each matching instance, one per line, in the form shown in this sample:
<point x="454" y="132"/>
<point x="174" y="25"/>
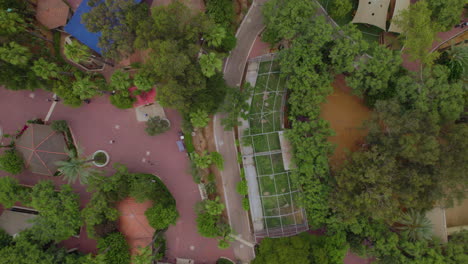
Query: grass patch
<point x="263" y="164"/>
<point x="188" y="141"/>
<point x="264" y="67"/>
<point x="273" y="222"/>
<point x="278" y="165"/>
<point x="267" y="185"/>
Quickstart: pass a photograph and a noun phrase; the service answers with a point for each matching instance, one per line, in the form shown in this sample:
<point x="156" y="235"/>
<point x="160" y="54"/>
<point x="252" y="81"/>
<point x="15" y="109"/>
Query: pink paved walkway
<point x="94" y="125"/>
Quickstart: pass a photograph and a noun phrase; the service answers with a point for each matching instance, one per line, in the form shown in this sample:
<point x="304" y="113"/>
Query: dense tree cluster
<point x="410" y="159"/>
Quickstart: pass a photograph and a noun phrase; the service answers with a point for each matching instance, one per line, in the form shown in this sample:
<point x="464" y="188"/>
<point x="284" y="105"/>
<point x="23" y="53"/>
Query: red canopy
<point x="143" y="98"/>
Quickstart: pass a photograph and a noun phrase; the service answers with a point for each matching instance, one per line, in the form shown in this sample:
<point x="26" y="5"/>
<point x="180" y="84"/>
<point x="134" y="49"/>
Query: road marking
<point x="243" y="241"/>
<point x="51" y="109"/>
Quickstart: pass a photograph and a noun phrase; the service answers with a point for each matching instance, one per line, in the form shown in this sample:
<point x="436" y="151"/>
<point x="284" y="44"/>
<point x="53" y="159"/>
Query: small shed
<point x="52" y="13"/>
<point x="41" y="147"/>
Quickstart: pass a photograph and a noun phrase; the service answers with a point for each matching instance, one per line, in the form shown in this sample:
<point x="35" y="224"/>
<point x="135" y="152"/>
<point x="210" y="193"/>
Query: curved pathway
<point x="234" y="68"/>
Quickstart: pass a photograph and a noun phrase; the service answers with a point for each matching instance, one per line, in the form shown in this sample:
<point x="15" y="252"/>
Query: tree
<point x="199" y="119"/>
<point x="207" y="225"/>
<point x="419" y="32"/>
<point x="115" y="249"/>
<point x="120" y="80"/>
<point x="446" y="13"/>
<point x="216" y="36"/>
<point x="144" y="256"/>
<point x="286" y="19"/>
<point x="11" y="192"/>
<point x="156" y="125"/>
<point x="15" y="54"/>
<point x="372" y="76"/>
<point x="235" y="106"/>
<point x="201" y="161"/>
<point x="293" y="250"/>
<point x="45" y="69"/>
<point x="415" y="226"/>
<point x="346" y="49"/>
<point x="109" y="18"/>
<point x="12" y="22"/>
<point x="213" y="207"/>
<point x="458" y="62"/>
<point x="11" y="162"/>
<point x="340" y="8"/>
<point x="122" y="100"/>
<point x="86" y="88"/>
<point x="210" y="63"/>
<point x="59" y="212"/>
<point x="76" y="168"/>
<point x="161" y="216"/>
<point x="144" y="80"/>
<point x="76" y="52"/>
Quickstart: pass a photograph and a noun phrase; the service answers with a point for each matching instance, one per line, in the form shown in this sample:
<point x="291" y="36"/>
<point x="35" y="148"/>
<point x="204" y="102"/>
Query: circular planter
<point x="101" y="158"/>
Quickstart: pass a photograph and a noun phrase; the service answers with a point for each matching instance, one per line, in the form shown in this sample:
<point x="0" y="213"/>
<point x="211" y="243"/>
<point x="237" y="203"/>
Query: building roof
<point x="41" y="147"/>
<point x="14" y="222"/>
<point x="372" y="12"/>
<point x="52" y="13"/>
<point x="400" y="5"/>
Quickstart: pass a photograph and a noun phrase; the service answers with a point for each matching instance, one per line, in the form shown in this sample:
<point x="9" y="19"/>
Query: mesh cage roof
<point x="41" y="147"/>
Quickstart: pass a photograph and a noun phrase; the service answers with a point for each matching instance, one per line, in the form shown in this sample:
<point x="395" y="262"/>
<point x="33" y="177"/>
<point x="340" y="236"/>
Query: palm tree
<point x="76" y="51"/>
<point x="415" y="226"/>
<point x="209" y="63"/>
<point x="76" y="168"/>
<point x="215" y="36"/>
<point x="458" y="60"/>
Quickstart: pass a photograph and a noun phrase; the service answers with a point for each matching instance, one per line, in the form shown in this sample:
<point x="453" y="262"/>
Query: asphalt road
<point x="251" y="26"/>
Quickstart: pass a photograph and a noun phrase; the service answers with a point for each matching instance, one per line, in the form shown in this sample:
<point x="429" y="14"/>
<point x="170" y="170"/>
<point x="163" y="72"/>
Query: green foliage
<point x="216" y="36"/>
<point x="415" y="226"/>
<point x="11" y="162"/>
<point x="160" y="216"/>
<point x="59" y="212"/>
<point x="245" y="204"/>
<point x="86" y="88"/>
<point x="120" y="80"/>
<point x="340" y="8"/>
<point x="155" y="125"/>
<point x="286" y="19"/>
<point x="217" y="160"/>
<point x="419" y="32"/>
<point x="345" y="50"/>
<point x="373" y="75"/>
<point x="202" y="161"/>
<point x="110" y="18"/>
<point x="242" y="187"/>
<point x="115" y="249"/>
<point x="76" y="52"/>
<point x="45" y="69"/>
<point x="144" y="80"/>
<point x="213" y="207"/>
<point x="199" y="118"/>
<point x="5" y="239"/>
<point x="15" y="54"/>
<point x="210" y="63"/>
<point x="207" y="225"/>
<point x="59" y="126"/>
<point x="122" y="100"/>
<point x="222" y="12"/>
<point x="446" y="13"/>
<point x="144" y="256"/>
<point x="11" y="192"/>
<point x="235" y="106"/>
<point x="76" y="168"/>
<point x="456" y="59"/>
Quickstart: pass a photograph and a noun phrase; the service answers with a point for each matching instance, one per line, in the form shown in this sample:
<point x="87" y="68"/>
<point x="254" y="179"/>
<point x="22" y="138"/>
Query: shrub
<point x="122" y="100"/>
<point x="115" y="249"/>
<point x="160" y="216"/>
<point x="218" y="160"/>
<point x="223" y="244"/>
<point x="144" y="80"/>
<point x="221" y="11"/>
<point x="224" y="261"/>
<point x="59" y="126"/>
<point x="340" y="8"/>
<point x="5" y="239"/>
<point x="201" y="161"/>
<point x="156" y="125"/>
<point x="149" y="187"/>
<point x="11" y="162"/>
<point x="229" y="42"/>
<point x="245" y="204"/>
<point x="242" y="187"/>
<point x="10" y="191"/>
<point x="207" y="225"/>
<point x="199" y="118"/>
<point x="213" y="207"/>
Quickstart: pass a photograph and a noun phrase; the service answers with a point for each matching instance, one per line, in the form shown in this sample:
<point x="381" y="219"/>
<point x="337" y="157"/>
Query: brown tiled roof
<point x="52" y="13"/>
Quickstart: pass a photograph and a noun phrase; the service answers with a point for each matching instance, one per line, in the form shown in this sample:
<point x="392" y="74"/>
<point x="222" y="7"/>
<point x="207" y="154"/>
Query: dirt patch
<point x="346" y="114"/>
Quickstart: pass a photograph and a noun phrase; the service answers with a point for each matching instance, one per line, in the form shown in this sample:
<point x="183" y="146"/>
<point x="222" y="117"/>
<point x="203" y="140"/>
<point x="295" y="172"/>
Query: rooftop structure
<point x="52" y="13"/>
